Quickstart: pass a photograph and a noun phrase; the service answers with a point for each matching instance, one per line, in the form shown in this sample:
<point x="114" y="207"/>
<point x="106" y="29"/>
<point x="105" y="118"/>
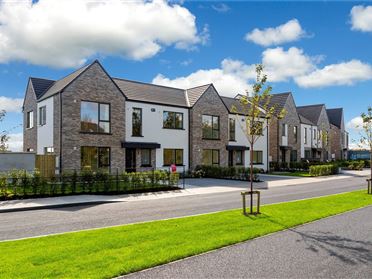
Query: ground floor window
<point x="307" y="154"/>
<point x="146" y="157"/>
<point x="173" y="156"/>
<point x="257" y="157"/>
<point x="95" y="157"/>
<point x="211" y="157"/>
<point x="239" y="157"/>
<point x="294" y="156"/>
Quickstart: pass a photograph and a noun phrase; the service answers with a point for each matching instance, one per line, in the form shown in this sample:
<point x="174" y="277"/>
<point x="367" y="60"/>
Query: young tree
<point x="366" y="132"/>
<point x="3" y="134"/>
<point x="258" y="112"/>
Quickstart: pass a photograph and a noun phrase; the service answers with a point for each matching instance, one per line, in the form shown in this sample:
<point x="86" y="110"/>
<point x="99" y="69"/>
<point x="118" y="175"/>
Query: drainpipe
<point x="60" y="133"/>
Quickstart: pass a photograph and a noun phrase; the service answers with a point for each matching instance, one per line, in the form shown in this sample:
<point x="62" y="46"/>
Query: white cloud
<point x="361" y="18"/>
<point x="287" y="32"/>
<point x="280" y="65"/>
<point x="230" y="79"/>
<point x="355" y="124"/>
<point x="221" y="8"/>
<point x="11" y="104"/>
<point x="15" y="142"/>
<point x="66" y="33"/>
<point x="345" y="73"/>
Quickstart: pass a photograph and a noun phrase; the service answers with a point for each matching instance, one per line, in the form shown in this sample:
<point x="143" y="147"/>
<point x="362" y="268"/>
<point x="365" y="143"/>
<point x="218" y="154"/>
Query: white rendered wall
<point x="153" y="131"/>
<point x="241" y="139"/>
<point x="45" y="132"/>
<point x="309" y="139"/>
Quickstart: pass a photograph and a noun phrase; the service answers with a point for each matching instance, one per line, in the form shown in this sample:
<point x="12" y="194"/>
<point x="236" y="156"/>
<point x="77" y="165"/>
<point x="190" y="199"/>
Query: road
<point x="335" y="247"/>
<point x="15" y="225"/>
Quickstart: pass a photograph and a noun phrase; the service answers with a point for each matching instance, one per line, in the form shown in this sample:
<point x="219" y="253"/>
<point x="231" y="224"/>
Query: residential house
<point x="284" y="134"/>
<point x="339" y="138"/>
<point x="89" y="118"/>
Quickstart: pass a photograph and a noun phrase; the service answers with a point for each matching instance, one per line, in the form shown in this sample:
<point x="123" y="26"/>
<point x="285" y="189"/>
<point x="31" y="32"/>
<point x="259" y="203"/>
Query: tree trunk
<point x="370" y="162"/>
<point x="251" y="178"/>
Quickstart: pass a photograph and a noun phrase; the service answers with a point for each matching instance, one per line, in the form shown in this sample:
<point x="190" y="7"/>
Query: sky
<point x="319" y="51"/>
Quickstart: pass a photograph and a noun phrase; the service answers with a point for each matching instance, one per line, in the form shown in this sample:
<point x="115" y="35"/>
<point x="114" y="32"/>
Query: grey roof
<point x="279" y="99"/>
<point x="41" y="85"/>
<point x="234" y="102"/>
<point x="64" y="82"/>
<point x="146" y="92"/>
<point x="304" y="120"/>
<point x="335" y="116"/>
<point x="311" y="112"/>
<point x="195" y="93"/>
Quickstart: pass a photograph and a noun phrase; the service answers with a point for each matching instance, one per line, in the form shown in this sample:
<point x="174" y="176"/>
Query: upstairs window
<point x="172" y="120"/>
<point x="95" y="117"/>
<point x="211" y="127"/>
<point x="30" y="120"/>
<point x="305" y="135"/>
<point x="231" y="129"/>
<point x="284" y="130"/>
<point x="137" y="122"/>
<point x="42" y="115"/>
<point x="295" y="133"/>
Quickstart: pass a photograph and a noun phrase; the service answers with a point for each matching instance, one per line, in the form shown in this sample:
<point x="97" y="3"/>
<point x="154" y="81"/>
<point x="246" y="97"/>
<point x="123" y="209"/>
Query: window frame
<point x="99" y="121"/>
<point x="295" y="133"/>
<point x="98" y="153"/>
<point x="212" y="128"/>
<point x="175" y="113"/>
<point x="30" y="120"/>
<point x="284" y="132"/>
<point x="257" y="162"/>
<point x="241" y="152"/>
<point x="232" y="132"/>
<point x="42" y="116"/>
<point x="140" y="120"/>
<point x="149" y="153"/>
<point x="174" y="155"/>
<point x="213" y="151"/>
<point x="305" y="135"/>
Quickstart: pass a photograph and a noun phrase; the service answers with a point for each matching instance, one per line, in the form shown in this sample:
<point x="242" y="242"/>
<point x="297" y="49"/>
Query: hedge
<point x="238" y="173"/>
<point x="321" y="170"/>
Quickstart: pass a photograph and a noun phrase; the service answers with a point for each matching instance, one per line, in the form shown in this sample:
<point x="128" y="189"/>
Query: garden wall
<point x="17" y="160"/>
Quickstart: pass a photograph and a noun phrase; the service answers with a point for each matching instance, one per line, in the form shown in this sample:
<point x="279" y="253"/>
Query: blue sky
<point x="329" y="61"/>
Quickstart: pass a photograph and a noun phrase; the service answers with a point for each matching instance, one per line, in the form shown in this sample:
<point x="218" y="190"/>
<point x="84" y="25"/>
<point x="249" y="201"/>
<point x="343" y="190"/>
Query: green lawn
<point x="104" y="253"/>
<point x="295" y="173"/>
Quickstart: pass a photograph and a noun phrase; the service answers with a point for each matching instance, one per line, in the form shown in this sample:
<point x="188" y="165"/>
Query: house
<point x="284" y="134"/>
<point x="339" y="138"/>
<point x="89" y="118"/>
<point x="317" y="120"/>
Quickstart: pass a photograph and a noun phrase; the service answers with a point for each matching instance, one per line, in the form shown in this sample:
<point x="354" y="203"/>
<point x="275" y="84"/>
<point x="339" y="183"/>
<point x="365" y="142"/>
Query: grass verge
<point x="105" y="253"/>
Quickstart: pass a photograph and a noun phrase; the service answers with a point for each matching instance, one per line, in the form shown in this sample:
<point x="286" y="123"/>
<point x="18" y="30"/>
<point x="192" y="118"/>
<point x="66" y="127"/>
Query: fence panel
<point x="46" y="164"/>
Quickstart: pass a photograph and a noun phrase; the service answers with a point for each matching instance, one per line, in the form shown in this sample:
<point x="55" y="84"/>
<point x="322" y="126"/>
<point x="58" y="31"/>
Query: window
<point x="307" y="154"/>
<point x="173" y="156"/>
<point x="211" y="157"/>
<point x="137" y="122"/>
<point x="239" y="157"/>
<point x="295" y="133"/>
<point x="95" y="157"/>
<point x="305" y="135"/>
<point x="42" y="115"/>
<point x="172" y="120"/>
<point x="146" y="157"/>
<point x="293" y="156"/>
<point x="231" y="129"/>
<point x="257" y="157"/>
<point x="314" y="136"/>
<point x="211" y="127"/>
<point x="95" y="117"/>
<point x="284" y="132"/>
<point x="30" y="120"/>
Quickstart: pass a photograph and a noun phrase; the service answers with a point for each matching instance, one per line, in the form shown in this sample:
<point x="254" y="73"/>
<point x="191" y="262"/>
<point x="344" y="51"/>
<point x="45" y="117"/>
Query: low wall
<point x="17" y="160"/>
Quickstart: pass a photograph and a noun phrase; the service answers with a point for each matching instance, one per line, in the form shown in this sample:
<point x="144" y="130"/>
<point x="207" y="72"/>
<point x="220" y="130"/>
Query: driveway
<point x="335" y="247"/>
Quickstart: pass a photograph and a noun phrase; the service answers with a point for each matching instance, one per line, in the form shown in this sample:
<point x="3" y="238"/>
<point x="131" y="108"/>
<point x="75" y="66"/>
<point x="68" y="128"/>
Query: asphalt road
<point x="14" y="225"/>
<point x="335" y="247"/>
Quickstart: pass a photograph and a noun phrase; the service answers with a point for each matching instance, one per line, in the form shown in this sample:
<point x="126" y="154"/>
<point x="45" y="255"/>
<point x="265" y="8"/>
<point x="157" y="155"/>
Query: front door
<point x="130" y="160"/>
<point x="283" y="155"/>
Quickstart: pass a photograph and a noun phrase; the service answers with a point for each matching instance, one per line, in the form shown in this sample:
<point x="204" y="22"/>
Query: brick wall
<point x="30" y="135"/>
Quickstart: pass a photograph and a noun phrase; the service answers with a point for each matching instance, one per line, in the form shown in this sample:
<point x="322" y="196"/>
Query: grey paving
<point x="336" y="247"/>
<point x="14" y="225"/>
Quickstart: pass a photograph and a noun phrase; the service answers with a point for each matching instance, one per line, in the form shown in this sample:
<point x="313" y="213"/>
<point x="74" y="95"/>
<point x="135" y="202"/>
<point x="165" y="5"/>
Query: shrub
<point x="226" y="172"/>
<point x="356" y="165"/>
<point x="321" y="170"/>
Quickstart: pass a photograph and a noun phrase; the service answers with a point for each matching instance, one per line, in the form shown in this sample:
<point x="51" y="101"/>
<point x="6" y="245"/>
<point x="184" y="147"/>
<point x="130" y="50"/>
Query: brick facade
<point x="92" y="85"/>
<point x="30" y="135"/>
<point x="323" y="124"/>
<point x="209" y="103"/>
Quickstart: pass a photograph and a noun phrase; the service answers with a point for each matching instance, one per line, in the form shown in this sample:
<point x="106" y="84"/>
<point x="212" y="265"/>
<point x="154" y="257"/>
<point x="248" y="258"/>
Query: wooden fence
<point x="46" y="164"/>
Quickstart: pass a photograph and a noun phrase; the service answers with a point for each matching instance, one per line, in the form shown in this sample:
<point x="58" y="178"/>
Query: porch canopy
<point x="236" y="147"/>
<point x="147" y="145"/>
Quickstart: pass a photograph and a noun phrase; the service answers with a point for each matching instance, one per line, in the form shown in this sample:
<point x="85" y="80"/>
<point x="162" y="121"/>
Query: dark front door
<point x="130" y="159"/>
<point x="283" y="155"/>
<point x="231" y="158"/>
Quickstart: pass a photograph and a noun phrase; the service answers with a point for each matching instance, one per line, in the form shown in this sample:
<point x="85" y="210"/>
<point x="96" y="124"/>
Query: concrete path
<point x="15" y="225"/>
<point x="192" y="187"/>
<point x="335" y="247"/>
